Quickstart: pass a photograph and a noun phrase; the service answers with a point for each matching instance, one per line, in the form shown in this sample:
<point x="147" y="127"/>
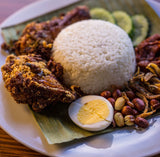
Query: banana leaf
<point x="57" y="127"/>
<point x="55" y="122"/>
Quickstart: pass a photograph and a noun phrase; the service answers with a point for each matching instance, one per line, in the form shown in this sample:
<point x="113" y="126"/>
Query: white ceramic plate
<point x="18" y="121"/>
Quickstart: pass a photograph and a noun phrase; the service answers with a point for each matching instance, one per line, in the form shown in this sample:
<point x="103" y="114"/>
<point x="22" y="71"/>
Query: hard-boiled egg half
<point x="92" y="112"/>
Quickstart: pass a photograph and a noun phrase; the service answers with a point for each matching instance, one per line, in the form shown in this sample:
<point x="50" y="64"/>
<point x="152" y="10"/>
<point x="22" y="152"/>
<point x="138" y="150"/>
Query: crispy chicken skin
<point x="38" y="38"/>
<point x="29" y="81"/>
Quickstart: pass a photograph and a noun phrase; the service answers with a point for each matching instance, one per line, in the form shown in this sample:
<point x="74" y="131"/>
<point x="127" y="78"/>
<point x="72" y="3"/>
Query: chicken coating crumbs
<point x="29" y="81"/>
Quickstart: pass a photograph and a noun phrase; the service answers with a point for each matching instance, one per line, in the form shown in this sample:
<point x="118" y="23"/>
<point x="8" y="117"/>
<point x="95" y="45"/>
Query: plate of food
<point x="82" y="78"/>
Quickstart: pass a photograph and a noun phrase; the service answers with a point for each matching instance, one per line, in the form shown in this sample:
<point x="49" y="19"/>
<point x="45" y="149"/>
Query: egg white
<point x="76" y="105"/>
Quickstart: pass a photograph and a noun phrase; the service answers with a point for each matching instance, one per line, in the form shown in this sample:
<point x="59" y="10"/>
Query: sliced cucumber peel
<point x="102" y="14"/>
<point x="140" y="31"/>
<point x="123" y="20"/>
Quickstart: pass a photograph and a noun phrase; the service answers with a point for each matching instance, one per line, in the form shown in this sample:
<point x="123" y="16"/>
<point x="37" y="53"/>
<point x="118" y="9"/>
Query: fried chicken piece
<point x="29" y="81"/>
<point x="56" y="69"/>
<point x="38" y="38"/>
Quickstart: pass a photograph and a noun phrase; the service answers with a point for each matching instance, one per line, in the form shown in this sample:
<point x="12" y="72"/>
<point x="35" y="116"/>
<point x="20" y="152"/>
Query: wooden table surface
<point x="8" y="146"/>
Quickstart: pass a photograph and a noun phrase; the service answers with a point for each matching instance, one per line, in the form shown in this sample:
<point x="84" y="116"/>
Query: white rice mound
<point x="95" y="55"/>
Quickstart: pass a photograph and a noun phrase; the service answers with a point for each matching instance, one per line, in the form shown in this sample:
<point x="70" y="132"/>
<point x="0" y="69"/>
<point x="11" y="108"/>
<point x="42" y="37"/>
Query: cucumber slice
<point x="123" y="20"/>
<point x="102" y="14"/>
<point x="140" y="31"/>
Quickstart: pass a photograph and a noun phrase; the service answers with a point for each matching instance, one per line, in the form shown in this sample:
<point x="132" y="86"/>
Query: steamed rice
<point x="95" y="55"/>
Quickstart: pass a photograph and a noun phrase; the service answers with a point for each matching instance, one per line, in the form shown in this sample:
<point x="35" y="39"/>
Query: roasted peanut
<point x="130" y="95"/>
<point x="118" y="117"/>
<point x="141" y="122"/>
<point x="112" y="101"/>
<point x="129" y="120"/>
<point x="106" y="94"/>
<point x="155" y="104"/>
<point x="120" y="102"/>
<point x="139" y="104"/>
<point x="127" y="110"/>
<point x="153" y="101"/>
<point x="135" y="112"/>
<point x="117" y="93"/>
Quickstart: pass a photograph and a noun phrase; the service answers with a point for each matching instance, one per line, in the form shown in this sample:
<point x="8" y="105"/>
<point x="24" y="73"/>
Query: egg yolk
<point x="93" y="111"/>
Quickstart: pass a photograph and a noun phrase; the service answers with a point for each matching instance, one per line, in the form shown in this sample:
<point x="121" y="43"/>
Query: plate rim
<point x="22" y="141"/>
